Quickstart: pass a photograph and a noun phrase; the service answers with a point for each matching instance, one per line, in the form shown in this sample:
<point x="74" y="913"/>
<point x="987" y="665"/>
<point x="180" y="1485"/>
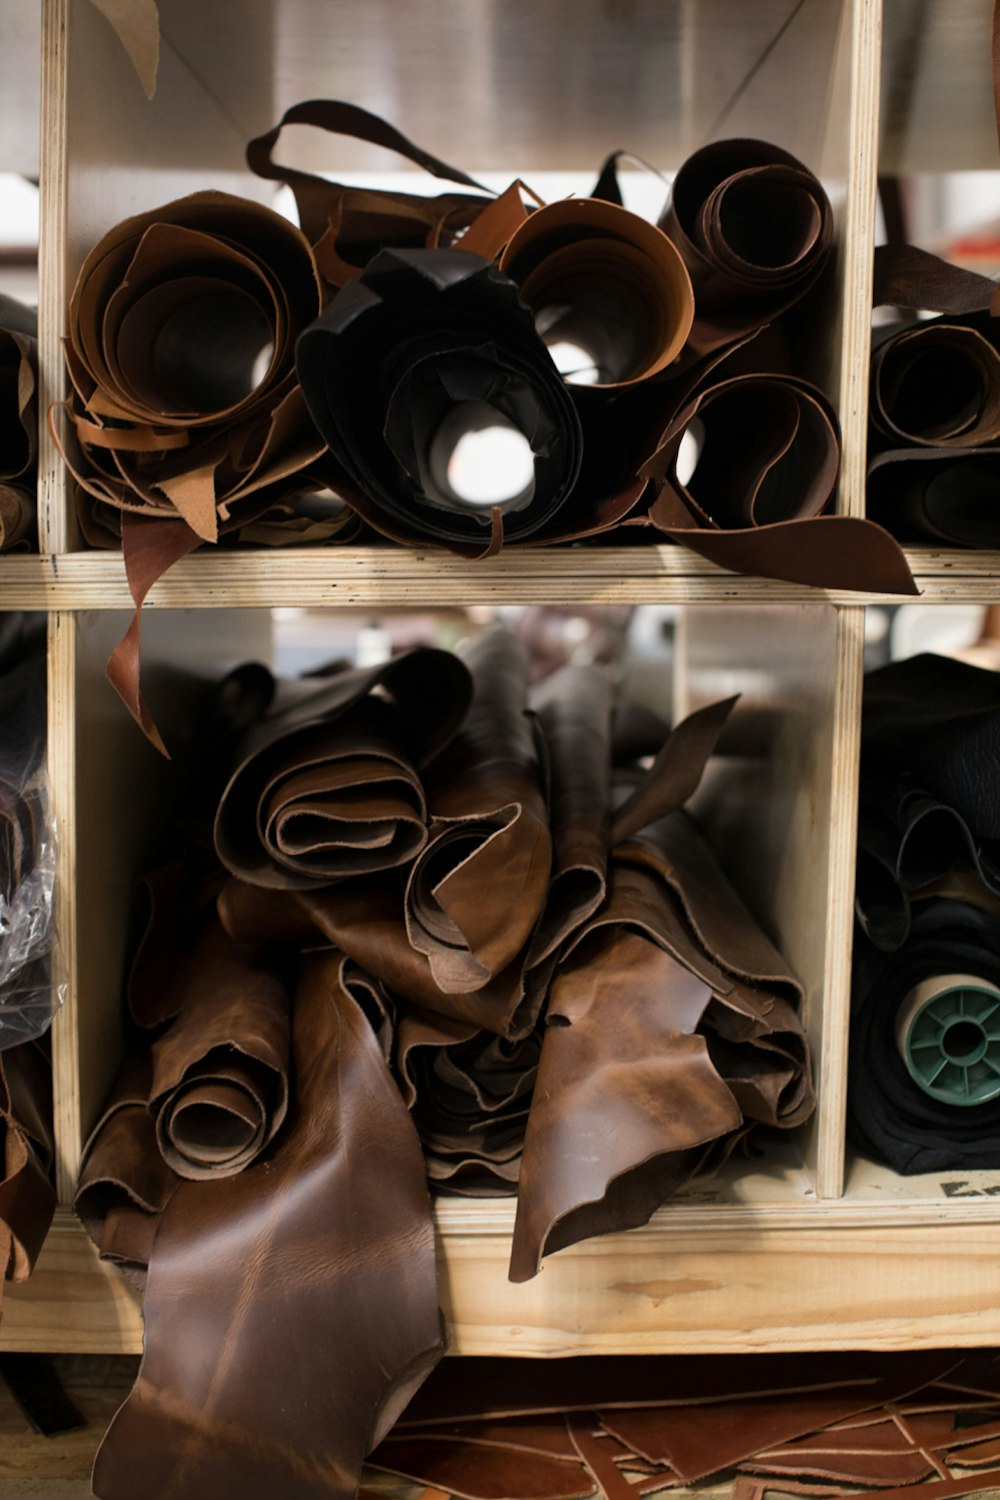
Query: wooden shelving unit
<point x="809" y="1249"/>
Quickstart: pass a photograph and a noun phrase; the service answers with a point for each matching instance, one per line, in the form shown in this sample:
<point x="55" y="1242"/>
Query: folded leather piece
<point x="605" y="281"/>
<point x="18" y="424"/>
<point x="27" y="1198"/>
<point x="326" y="784"/>
<point x="423" y="348"/>
<point x="710" y="1040"/>
<point x="755" y="229"/>
<point x="489" y="830"/>
<point x="265" y="1270"/>
<point x="764" y="480"/>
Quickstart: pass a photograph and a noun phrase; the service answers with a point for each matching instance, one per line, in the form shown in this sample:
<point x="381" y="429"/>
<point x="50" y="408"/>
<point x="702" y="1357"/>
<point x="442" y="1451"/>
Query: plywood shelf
<point x="387" y="576"/>
<point x="673" y="1287"/>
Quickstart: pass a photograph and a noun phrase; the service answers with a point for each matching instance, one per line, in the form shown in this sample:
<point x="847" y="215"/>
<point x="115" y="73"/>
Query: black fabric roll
<point x="888" y="1114"/>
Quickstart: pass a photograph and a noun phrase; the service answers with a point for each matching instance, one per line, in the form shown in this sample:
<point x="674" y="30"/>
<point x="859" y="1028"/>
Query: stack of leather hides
<point x="934" y="446"/>
<point x="18" y="425"/>
<point x="775" y="1424"/>
<point x="423" y="929"/>
<point x="922" y="1093"/>
<point x="231" y="374"/>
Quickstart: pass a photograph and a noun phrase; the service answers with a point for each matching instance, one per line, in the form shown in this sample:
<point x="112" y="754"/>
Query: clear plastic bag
<point x="28" y="997"/>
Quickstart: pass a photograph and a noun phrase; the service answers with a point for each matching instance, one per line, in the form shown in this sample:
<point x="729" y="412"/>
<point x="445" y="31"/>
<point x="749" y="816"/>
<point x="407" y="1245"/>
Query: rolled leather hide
<point x="759" y="498"/>
<point x="423" y="348"/>
<point x="181" y="339"/>
<point x="755" y="229"/>
<point x="605" y="281"/>
<point x="266" y="1271"/>
<point x="925" y="496"/>
<point x="327" y="784"/>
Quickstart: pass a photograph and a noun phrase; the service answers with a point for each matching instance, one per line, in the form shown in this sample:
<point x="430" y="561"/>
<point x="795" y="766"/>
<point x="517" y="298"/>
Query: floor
<point x="34" y="1465"/>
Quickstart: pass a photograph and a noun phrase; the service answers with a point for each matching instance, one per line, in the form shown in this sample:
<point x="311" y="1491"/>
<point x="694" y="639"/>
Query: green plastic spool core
<point x="948" y="1032"/>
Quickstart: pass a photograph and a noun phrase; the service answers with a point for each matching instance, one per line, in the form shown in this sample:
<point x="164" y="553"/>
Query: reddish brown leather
<point x="27" y="1198"/>
<point x="482" y="1472"/>
<point x="266" y="1271"/>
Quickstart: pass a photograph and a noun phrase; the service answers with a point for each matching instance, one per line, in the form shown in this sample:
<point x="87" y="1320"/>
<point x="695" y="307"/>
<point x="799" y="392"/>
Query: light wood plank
<point x="381" y="577"/>
<point x="829" y="1282"/>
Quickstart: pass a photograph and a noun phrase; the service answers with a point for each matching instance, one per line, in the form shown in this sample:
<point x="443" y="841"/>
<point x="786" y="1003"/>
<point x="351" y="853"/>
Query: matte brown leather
<point x="326" y="785"/>
<point x="265" y="1270"/>
<point x="489" y="830"/>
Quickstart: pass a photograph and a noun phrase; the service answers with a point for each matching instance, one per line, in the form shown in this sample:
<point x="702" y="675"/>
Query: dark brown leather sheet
<point x="18" y="425"/>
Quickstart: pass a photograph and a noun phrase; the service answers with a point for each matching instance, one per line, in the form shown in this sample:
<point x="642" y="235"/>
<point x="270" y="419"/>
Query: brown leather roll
<point x="949" y="496"/>
<point x="937" y="384"/>
<point x="477" y="889"/>
<point x="605" y="281"/>
<point x="326" y="784"/>
<point x="18" y="424"/>
<point x="764" y="480"/>
<point x="340" y="1308"/>
<point x="755" y="229"/>
<point x="219" y="1089"/>
<point x="173" y="315"/>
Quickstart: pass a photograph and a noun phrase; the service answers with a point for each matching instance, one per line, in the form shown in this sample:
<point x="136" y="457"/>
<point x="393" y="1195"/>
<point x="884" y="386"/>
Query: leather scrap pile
<point x="234" y="377"/>
<point x="393" y="951"/>
<point x="920" y="1425"/>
